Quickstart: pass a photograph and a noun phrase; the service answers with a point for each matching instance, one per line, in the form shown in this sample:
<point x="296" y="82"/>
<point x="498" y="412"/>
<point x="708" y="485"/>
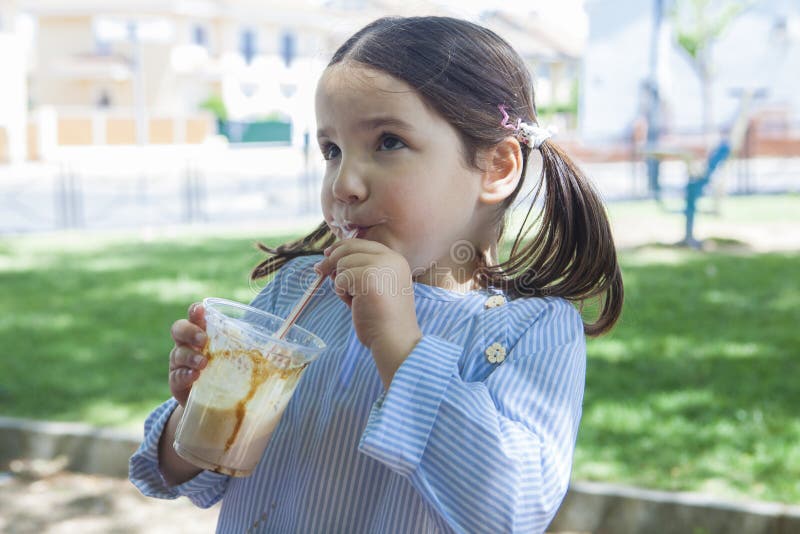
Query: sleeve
<point x="494" y="455"/>
<point x="208" y="487"/>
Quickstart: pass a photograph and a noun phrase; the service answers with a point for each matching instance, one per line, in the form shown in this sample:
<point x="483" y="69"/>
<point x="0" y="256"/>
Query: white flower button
<point x="496" y="353"/>
<point x="494" y="301"/>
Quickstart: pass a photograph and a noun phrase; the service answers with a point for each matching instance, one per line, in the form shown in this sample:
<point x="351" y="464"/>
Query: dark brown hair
<point x="464" y="72"/>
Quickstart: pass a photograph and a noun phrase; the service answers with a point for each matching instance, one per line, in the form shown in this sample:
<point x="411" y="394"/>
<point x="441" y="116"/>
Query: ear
<point x="503" y="170"/>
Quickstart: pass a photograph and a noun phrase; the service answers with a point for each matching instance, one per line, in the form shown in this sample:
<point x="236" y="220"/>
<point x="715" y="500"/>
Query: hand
<point x="186" y="359"/>
<point x="375" y="282"/>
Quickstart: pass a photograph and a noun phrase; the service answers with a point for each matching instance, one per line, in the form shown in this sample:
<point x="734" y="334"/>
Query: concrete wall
<point x="46" y="131"/>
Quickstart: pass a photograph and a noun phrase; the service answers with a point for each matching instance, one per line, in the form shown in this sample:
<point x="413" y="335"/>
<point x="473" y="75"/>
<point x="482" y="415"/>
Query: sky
<point x="563" y="8"/>
<point x="569" y="15"/>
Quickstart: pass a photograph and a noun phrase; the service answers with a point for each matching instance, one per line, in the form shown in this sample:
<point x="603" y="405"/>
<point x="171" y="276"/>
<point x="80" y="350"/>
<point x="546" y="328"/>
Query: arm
<point x="495" y="454"/>
<point x="204" y="489"/>
<point x="155" y="468"/>
<point x="174" y="469"/>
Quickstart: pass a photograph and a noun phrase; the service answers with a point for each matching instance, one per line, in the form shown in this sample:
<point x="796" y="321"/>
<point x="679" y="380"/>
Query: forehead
<point x="348" y="91"/>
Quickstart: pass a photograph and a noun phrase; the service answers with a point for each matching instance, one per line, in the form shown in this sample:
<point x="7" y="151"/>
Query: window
<point x="200" y="35"/>
<point x="105" y="32"/>
<point x="103" y="100"/>
<point x="247" y="45"/>
<point x="543" y="70"/>
<point x="288" y="47"/>
<point x="102" y="47"/>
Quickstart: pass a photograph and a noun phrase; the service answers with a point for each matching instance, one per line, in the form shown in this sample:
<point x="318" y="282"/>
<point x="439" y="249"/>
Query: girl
<point x="449" y="395"/>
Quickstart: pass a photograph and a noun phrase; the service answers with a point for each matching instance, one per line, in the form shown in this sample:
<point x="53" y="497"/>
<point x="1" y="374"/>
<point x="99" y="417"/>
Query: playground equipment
<point x="730" y="143"/>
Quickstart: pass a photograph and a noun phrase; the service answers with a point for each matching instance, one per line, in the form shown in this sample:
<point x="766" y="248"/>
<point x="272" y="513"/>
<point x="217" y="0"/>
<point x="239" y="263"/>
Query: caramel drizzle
<point x="262" y="369"/>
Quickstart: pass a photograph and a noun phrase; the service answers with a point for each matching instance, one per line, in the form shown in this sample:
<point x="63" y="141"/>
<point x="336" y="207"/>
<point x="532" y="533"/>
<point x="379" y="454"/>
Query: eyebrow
<point x="373" y="124"/>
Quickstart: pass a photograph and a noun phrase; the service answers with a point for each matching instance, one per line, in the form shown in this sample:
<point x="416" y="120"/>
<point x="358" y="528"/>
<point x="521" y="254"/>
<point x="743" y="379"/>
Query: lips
<point x="345" y="228"/>
<point x="339" y="229"/>
<point x="361" y="231"/>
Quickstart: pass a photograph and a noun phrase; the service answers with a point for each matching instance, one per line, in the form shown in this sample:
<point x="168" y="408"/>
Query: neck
<point x="454" y="276"/>
<point x="446" y="280"/>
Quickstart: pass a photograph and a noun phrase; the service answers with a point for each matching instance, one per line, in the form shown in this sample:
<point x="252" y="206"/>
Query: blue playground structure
<point x="695" y="186"/>
<point x="697" y="182"/>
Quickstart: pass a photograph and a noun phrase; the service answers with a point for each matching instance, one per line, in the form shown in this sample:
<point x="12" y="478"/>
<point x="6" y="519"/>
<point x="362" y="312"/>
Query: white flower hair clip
<point x="532" y="135"/>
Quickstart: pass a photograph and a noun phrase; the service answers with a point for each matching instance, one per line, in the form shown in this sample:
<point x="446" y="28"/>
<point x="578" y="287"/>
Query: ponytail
<point x="572" y="254"/>
<point x="313" y="243"/>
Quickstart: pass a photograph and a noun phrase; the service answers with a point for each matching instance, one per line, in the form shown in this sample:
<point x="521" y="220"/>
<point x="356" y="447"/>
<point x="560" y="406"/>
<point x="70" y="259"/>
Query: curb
<point x="594" y="507"/>
<point x="84" y="448"/>
<point x="603" y="508"/>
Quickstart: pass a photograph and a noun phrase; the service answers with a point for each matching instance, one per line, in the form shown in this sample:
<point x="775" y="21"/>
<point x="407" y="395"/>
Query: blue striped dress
<point x="458" y="443"/>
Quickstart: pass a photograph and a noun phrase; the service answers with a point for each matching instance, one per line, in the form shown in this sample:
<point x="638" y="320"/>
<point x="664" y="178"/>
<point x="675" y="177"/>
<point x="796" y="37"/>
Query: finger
<point x="347" y="299"/>
<point x="344" y="295"/>
<point x="344" y="283"/>
<point x="183" y="356"/>
<point x="197" y="315"/>
<point x="181" y="379"/>
<point x="342" y="249"/>
<point x="186" y="333"/>
<point x="357" y="260"/>
<point x="354" y="245"/>
<point x="332" y="247"/>
<point x="364" y="273"/>
<point x="326" y="265"/>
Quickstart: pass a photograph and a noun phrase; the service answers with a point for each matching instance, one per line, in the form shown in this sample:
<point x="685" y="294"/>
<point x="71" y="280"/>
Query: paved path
<point x="69" y="503"/>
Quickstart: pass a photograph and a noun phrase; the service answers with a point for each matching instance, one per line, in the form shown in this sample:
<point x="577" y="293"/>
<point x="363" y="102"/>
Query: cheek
<point x="326" y="197"/>
<point x="446" y="202"/>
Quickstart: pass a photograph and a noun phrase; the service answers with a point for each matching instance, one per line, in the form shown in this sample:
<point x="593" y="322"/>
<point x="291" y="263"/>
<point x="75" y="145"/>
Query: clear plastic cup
<point x="237" y="401"/>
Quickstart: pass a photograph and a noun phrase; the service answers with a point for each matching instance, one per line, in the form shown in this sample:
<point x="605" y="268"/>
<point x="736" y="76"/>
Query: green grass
<point x="696" y="388"/>
<point x="85" y="328"/>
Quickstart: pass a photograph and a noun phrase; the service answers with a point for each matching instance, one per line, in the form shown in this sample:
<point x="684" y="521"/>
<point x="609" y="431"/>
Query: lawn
<point x="696" y="389"/>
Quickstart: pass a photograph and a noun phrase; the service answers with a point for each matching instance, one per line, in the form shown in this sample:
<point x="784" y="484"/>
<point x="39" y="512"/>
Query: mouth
<point x="348" y="230"/>
<point x="355" y="230"/>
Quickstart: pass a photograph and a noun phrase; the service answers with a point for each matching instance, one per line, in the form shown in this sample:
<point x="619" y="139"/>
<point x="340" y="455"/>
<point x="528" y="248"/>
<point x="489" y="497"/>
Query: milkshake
<point x="237" y="402"/>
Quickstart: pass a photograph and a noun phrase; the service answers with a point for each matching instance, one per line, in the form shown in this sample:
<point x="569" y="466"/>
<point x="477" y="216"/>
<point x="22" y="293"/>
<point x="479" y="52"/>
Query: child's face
<point x="396" y="168"/>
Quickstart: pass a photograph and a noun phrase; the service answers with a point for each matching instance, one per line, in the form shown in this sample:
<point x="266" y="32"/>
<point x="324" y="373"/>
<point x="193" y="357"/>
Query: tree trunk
<point x="708" y="109"/>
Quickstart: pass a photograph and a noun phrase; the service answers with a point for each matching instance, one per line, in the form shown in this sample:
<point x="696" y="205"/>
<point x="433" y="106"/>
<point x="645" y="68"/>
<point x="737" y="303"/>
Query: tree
<point x="216" y="105"/>
<point x="698" y="24"/>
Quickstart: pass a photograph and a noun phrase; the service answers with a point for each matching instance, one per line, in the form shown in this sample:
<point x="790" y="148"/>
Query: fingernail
<point x="200" y="338"/>
<point x="316" y="266"/>
<point x="327" y="251"/>
<point x="197" y="359"/>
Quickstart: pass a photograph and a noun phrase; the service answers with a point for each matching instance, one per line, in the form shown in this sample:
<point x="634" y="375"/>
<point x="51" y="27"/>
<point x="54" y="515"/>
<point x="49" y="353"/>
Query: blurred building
<point x="13" y="89"/>
<point x="146" y="71"/>
<point x="553" y="56"/>
<point x="138" y="71"/>
<point x="759" y="50"/>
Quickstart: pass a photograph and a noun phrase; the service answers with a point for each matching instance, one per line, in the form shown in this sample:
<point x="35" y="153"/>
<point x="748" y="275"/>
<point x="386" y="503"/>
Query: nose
<point x="349" y="186"/>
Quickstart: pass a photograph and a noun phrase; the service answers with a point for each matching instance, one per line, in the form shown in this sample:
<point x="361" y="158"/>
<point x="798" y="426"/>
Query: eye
<point x="390" y="142"/>
<point x="330" y="151"/>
